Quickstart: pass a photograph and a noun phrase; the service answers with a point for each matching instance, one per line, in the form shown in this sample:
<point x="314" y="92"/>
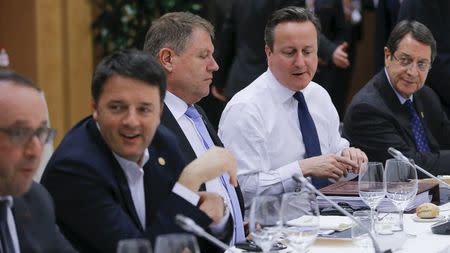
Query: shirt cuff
<point x="290" y="169"/>
<point x="186" y="194"/>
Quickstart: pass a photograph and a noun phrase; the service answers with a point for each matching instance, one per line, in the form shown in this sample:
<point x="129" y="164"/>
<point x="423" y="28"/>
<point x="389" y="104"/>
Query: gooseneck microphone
<point x="399" y="156"/>
<point x="189" y="225"/>
<point x="300" y="179"/>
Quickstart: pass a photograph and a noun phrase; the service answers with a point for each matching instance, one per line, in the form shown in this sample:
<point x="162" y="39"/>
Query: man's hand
<point x="326" y="166"/>
<point x="209" y="165"/>
<point x="212" y="204"/>
<point x="340" y="57"/>
<point x="356" y="155"/>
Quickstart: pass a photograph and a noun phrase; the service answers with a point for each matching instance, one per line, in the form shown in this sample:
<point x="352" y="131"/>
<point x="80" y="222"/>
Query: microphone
<point x="189" y="225"/>
<point x="399" y="156"/>
<point x="300" y="179"/>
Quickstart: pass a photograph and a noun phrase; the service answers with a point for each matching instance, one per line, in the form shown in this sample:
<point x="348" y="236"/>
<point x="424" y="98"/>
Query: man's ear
<point x="387" y="56"/>
<point x="94" y="109"/>
<point x="165" y="57"/>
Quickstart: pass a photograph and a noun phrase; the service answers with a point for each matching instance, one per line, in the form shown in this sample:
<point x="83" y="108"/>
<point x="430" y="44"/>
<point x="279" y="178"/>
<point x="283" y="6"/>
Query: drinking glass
<point x="300" y="218"/>
<point x="371" y="186"/>
<point x="176" y="243"/>
<point x="264" y="220"/>
<point x="401" y="185"/>
<point x="134" y="246"/>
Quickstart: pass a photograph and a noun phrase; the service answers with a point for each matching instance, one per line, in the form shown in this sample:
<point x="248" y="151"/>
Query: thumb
<point x="344" y="45"/>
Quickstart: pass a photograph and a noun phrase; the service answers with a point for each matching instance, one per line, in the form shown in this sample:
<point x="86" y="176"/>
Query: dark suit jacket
<point x="35" y="223"/>
<point x="240" y="52"/>
<point x="170" y="122"/>
<point x="435" y="15"/>
<point x="93" y="202"/>
<point x="375" y="121"/>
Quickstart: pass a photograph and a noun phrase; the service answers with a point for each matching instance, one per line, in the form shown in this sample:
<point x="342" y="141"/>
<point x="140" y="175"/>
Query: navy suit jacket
<point x="93" y="203"/>
<point x="375" y="121"/>
<point x="170" y="122"/>
<point x="36" y="225"/>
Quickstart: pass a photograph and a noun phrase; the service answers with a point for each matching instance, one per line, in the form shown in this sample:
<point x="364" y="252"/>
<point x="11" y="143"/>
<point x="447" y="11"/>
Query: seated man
<point x="283" y="123"/>
<point x="109" y="183"/>
<point x="27" y="220"/>
<point x="181" y="42"/>
<point x="395" y="109"/>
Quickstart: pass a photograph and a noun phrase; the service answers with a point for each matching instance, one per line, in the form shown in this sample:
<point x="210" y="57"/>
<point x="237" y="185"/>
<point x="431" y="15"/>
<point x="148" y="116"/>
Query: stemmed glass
<point x="401" y="185"/>
<point x="134" y="246"/>
<point x="176" y="243"/>
<point x="264" y="220"/>
<point x="371" y="186"/>
<point x="300" y="218"/>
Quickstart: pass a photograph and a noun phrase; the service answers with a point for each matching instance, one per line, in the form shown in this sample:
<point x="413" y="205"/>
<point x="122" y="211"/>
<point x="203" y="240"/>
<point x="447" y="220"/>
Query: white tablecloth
<point x="424" y="242"/>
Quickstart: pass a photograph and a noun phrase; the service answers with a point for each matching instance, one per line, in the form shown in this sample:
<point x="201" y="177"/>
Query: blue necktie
<point x="5" y="236"/>
<point x="417" y="128"/>
<point x="310" y="136"/>
<point x="193" y="114"/>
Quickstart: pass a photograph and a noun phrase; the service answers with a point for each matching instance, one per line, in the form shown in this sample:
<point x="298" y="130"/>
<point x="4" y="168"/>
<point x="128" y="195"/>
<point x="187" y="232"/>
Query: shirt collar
<point x="399" y="96"/>
<point x="175" y="104"/>
<point x="279" y="92"/>
<point x="9" y="200"/>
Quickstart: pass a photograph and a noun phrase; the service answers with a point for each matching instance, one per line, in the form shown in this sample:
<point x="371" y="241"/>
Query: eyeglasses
<point x="21" y="135"/>
<point x="406" y="62"/>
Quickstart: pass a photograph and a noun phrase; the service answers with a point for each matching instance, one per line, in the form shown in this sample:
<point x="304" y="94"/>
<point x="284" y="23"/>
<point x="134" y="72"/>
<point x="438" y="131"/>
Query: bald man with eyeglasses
<point x="27" y="220"/>
<point x="395" y="109"/>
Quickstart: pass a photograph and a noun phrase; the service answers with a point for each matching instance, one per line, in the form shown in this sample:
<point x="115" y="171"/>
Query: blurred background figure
<point x="434" y="15"/>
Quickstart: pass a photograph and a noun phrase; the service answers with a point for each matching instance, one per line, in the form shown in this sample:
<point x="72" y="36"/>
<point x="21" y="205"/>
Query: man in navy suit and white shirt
<point x="117" y="174"/>
<point x="27" y="220"/>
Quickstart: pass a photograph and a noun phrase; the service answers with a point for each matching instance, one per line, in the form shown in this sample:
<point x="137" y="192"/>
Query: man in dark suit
<point x="182" y="42"/>
<point x="395" y="109"/>
<point x="435" y="16"/>
<point x="27" y="220"/>
<point x="117" y="175"/>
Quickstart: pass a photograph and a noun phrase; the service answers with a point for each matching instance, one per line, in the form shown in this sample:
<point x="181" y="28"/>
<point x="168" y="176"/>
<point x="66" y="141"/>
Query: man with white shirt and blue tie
<point x="283" y="123"/>
<point x="182" y="43"/>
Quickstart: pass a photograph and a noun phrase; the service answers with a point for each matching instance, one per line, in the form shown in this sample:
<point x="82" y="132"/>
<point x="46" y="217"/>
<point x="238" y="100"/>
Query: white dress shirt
<point x="11" y="223"/>
<point x="178" y="108"/>
<point x="260" y="126"/>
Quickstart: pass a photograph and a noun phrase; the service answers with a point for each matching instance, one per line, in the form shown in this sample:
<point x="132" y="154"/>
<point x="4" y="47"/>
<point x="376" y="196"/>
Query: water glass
<point x="134" y="246"/>
<point x="264" y="221"/>
<point x="176" y="243"/>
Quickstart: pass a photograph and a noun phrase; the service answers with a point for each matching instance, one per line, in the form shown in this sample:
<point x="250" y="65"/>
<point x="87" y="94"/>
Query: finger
<point x="233" y="181"/>
<point x="344" y="45"/>
<point x="346" y="161"/>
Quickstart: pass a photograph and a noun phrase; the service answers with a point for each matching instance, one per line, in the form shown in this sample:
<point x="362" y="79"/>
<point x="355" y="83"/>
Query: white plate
<point x="418" y="219"/>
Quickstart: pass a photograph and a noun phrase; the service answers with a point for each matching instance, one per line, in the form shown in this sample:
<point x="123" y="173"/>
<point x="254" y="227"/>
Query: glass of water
<point x="300" y="219"/>
<point x="176" y="243"/>
<point x="134" y="246"/>
<point x="371" y="186"/>
<point x="264" y="221"/>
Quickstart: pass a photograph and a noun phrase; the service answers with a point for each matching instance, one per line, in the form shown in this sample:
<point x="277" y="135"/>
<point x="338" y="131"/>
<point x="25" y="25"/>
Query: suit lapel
<point x="23" y="217"/>
<point x="433" y="143"/>
<point x="391" y="100"/>
<point x="170" y="122"/>
<point x="212" y="132"/>
<point x="122" y="182"/>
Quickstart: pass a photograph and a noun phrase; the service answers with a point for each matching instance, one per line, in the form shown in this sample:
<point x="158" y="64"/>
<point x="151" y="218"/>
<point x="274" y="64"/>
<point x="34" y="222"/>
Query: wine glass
<point x="300" y="218"/>
<point x="176" y="243"/>
<point x="401" y="185"/>
<point x="134" y="246"/>
<point x="371" y="186"/>
<point x="264" y="220"/>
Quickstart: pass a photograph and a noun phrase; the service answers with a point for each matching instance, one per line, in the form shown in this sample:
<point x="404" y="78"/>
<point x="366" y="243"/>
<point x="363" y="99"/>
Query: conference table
<point x="419" y="239"/>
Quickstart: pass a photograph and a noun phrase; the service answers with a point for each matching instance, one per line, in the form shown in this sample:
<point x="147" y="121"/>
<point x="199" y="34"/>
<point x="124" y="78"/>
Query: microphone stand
<point x="311" y="187"/>
<point x="399" y="156"/>
<point x="189" y="225"/>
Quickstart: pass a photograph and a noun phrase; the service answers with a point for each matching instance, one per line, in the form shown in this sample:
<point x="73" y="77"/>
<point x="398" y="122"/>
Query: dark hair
<point x="417" y="30"/>
<point x="289" y="14"/>
<point x="130" y="63"/>
<point x="173" y="30"/>
<point x="16" y="79"/>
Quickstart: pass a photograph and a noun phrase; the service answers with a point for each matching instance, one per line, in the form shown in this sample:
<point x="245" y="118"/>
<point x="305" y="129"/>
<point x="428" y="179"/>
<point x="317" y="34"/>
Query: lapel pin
<point x="421" y="114"/>
<point x="161" y="161"/>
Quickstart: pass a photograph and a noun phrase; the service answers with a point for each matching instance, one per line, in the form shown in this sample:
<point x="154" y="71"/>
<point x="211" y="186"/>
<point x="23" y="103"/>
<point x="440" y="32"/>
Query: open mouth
<point x="130" y="136"/>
